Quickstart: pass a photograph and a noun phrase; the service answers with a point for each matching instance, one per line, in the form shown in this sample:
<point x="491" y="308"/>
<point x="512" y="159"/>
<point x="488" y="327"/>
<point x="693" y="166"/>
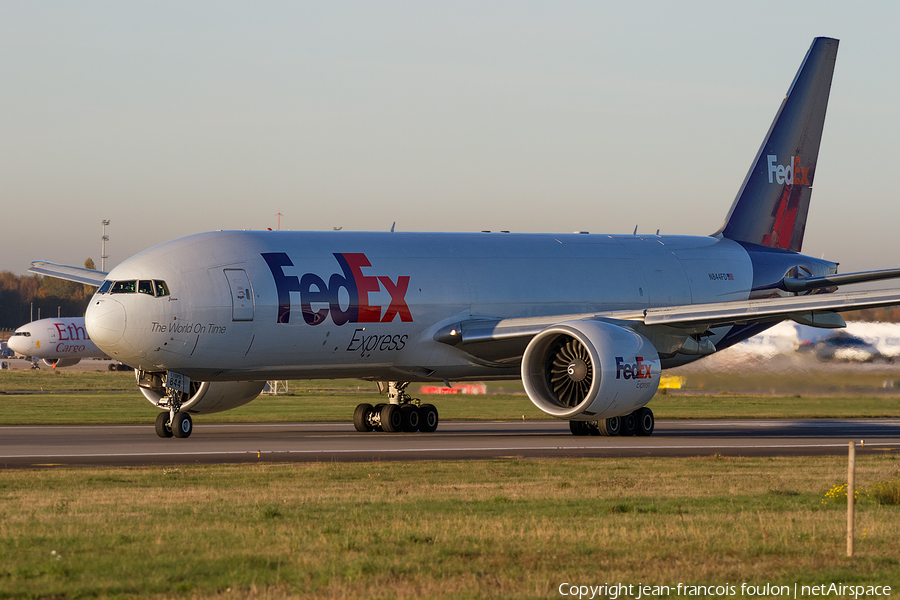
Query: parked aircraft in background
<point x="57" y="342"/>
<point x="780" y="339"/>
<point x="587" y="321"/>
<point x="883" y="337"/>
<point x="845" y="347"/>
<point x="858" y="341"/>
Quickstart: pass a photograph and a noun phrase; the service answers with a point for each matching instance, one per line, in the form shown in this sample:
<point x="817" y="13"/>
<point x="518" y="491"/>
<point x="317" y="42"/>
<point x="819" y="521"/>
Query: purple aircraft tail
<point x="772" y="204"/>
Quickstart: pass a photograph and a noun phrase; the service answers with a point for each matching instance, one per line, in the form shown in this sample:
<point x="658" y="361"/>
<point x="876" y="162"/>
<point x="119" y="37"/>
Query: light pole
<point x="103" y="241"/>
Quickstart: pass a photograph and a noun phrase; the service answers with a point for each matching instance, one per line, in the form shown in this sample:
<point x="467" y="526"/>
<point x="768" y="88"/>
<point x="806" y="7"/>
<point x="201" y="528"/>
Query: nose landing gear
<point x="163" y="425"/>
<point x="180" y="425"/>
<point x="173" y="421"/>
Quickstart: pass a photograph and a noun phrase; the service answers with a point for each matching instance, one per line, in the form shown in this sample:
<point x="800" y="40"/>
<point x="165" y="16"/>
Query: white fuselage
<point x="51" y="339"/>
<point x="263" y="304"/>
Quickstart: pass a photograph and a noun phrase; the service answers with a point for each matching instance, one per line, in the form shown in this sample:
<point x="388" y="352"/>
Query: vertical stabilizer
<point x="772" y="204"/>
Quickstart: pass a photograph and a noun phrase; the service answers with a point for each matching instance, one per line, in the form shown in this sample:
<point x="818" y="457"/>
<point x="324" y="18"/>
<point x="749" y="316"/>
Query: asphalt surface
<point x="29" y="446"/>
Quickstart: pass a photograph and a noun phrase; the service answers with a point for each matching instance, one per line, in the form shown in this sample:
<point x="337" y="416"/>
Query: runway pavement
<point x="30" y="446"/>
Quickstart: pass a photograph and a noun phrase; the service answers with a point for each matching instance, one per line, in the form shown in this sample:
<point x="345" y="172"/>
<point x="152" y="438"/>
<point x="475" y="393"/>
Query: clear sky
<point x="171" y="118"/>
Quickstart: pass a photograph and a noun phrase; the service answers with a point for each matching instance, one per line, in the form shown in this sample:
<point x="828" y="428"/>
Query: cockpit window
<point x="157" y="287"/>
<point x="122" y="287"/>
<point x="22" y="333"/>
<point x="145" y="287"/>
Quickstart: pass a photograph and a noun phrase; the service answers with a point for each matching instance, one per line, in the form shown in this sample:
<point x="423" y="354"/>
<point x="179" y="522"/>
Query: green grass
<point x="131" y="407"/>
<point x="492" y="529"/>
<point x="510" y="529"/>
<point x="47" y="379"/>
<point x="328" y="400"/>
<point x="816" y="379"/>
<point x="717" y="406"/>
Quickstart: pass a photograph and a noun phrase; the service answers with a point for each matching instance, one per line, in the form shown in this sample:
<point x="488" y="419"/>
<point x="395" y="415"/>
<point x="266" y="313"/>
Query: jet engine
<point x="205" y="396"/>
<point x="590" y="370"/>
<point x="59" y="363"/>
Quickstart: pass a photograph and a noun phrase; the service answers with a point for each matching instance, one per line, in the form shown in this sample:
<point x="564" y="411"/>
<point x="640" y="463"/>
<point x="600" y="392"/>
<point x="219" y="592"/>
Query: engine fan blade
<point x="570" y="371"/>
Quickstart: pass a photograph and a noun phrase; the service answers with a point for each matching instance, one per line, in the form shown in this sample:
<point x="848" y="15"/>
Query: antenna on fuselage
<point x="635" y="231"/>
<point x="392" y="226"/>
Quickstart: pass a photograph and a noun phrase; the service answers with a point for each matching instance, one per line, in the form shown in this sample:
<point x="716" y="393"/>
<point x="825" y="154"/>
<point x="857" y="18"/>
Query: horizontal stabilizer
<point x="767" y="309"/>
<point x="805" y="284"/>
<point x="79" y="274"/>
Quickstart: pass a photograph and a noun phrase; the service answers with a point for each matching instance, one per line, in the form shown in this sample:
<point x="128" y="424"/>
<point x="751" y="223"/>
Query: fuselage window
<point x="122" y="287"/>
<point x="161" y="288"/>
<point x="145" y="287"/>
<point x="105" y="287"/>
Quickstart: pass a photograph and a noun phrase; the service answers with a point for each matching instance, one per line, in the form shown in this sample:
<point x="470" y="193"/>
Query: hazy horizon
<point x="170" y="119"/>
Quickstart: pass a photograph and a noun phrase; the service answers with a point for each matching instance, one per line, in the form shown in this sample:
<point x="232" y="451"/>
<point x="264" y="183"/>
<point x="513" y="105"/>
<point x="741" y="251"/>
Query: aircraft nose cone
<point x="105" y="322"/>
<point x="19" y="345"/>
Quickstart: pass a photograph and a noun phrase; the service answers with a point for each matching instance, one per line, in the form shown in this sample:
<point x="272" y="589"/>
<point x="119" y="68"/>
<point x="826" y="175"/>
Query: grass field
<point x="131" y="407"/>
<point x="80" y="397"/>
<point x="839" y="380"/>
<point x="490" y="529"/>
<point x="510" y="529"/>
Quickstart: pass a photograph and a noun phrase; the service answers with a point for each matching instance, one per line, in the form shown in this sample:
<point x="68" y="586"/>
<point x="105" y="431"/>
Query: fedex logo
<point x="638" y="370"/>
<point x="790" y="174"/>
<point x="318" y="298"/>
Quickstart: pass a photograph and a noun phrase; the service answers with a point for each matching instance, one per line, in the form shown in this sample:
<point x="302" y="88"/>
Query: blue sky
<point x="171" y="118"/>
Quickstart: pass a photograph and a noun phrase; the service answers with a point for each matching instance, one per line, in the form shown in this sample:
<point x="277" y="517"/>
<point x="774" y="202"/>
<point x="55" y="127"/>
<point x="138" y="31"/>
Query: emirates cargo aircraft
<point x="587" y="321"/>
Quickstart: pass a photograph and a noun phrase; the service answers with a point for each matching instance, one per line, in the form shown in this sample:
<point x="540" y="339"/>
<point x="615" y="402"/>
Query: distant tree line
<point x="49" y="296"/>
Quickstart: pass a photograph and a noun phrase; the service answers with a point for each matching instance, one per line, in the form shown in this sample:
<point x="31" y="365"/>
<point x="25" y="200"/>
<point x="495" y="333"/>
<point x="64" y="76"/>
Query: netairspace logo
<point x="612" y="591"/>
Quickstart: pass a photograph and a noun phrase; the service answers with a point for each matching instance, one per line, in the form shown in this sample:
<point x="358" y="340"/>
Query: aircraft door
<point x="52" y="335"/>
<point x="241" y="295"/>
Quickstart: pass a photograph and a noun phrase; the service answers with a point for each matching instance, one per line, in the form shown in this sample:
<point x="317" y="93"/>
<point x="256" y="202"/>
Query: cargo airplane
<point x="59" y="342"/>
<point x="587" y="321"/>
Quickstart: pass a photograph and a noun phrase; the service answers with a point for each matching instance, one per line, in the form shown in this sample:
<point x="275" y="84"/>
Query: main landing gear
<point x="640" y="422"/>
<point x="403" y="413"/>
<point x="174" y="421"/>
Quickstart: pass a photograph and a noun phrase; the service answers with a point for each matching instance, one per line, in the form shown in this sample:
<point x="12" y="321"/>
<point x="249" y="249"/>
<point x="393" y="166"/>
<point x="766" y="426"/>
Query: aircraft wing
<point x="816" y="310"/>
<point x="79" y="274"/>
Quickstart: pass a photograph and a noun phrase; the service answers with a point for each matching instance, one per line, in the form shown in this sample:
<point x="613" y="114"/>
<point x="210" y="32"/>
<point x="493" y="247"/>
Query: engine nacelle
<point x="590" y="370"/>
<point x="205" y="396"/>
<point x="59" y="363"/>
